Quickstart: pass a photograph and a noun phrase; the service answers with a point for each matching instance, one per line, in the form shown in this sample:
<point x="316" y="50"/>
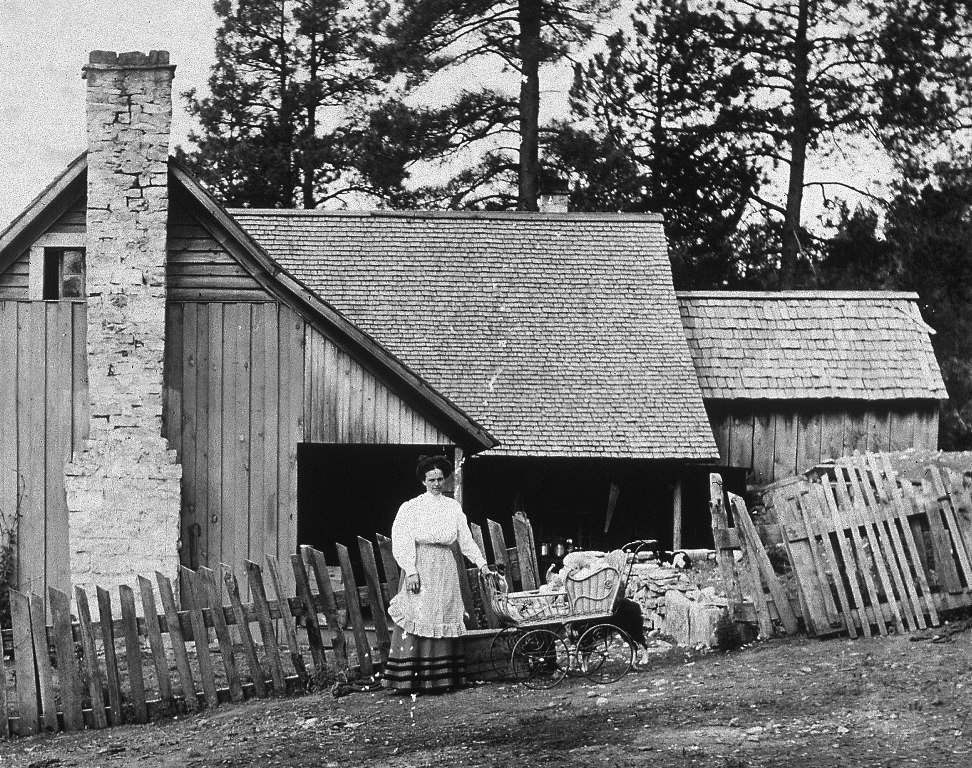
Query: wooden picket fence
<point x="873" y="544"/>
<point x="74" y="672"/>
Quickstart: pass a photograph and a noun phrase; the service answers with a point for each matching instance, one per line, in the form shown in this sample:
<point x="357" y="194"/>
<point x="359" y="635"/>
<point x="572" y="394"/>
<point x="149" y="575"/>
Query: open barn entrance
<point x="345" y="491"/>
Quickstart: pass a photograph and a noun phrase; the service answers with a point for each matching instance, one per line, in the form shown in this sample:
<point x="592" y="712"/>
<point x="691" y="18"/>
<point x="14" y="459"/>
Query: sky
<point x="43" y="45"/>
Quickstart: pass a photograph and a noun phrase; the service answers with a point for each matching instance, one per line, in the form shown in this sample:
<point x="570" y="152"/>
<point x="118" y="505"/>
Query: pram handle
<point x="636" y="546"/>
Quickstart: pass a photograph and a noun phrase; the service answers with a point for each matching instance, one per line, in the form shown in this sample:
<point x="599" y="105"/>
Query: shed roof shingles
<point x="561" y="335"/>
<point x="814" y="345"/>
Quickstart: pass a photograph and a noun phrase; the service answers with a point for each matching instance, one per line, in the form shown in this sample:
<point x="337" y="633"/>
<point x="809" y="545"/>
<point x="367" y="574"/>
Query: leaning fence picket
<point x="389" y="565"/>
<point x="111" y="660"/>
<point x="90" y="658"/>
<point x="192" y="602"/>
<point x="354" y="611"/>
<point x="322" y="576"/>
<point x="67" y="661"/>
<point x="289" y="626"/>
<point x="257" y="674"/>
<point x="370" y="566"/>
<point x="309" y="613"/>
<point x="42" y="661"/>
<point x="220" y="627"/>
<point x="154" y="632"/>
<point x="259" y="594"/>
<point x="4" y="722"/>
<point x="178" y="641"/>
<point x="24" y="663"/>
<point x="133" y="653"/>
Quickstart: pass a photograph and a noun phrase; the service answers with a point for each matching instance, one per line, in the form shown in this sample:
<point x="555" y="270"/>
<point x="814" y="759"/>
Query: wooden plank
<point x="214" y="441"/>
<point x="751" y="570"/>
<point x="193" y="601"/>
<point x="855" y="563"/>
<point x="934" y="476"/>
<point x="813" y="508"/>
<point x="390" y="566"/>
<point x="370" y="566"/>
<point x="174" y="361"/>
<point x="941" y="543"/>
<point x="258" y="461"/>
<point x="796" y="542"/>
<point x="855" y="429"/>
<point x="154" y="633"/>
<point x="831" y="435"/>
<point x="200" y="470"/>
<point x="770" y="579"/>
<point x="58" y="442"/>
<point x="883" y="498"/>
<point x="529" y="568"/>
<point x="354" y="612"/>
<point x="42" y="664"/>
<point x="79" y="376"/>
<point x="133" y="653"/>
<point x="877" y="516"/>
<point x="741" y="441"/>
<point x="214" y="599"/>
<point x="785" y="445"/>
<point x="68" y="677"/>
<point x="23" y="655"/>
<point x="190" y="523"/>
<point x="90" y="660"/>
<point x="239" y="507"/>
<point x="764" y="448"/>
<point x="264" y="530"/>
<point x="4" y="720"/>
<point x="290" y="629"/>
<point x="258" y="594"/>
<point x="322" y="577"/>
<point x="9" y="474"/>
<point x="111" y="658"/>
<point x="477" y="534"/>
<point x="879" y="429"/>
<point x="818" y="553"/>
<point x="808" y="439"/>
<point x="290" y="433"/>
<point x="257" y="675"/>
<point x="177" y="641"/>
<point x="900" y="508"/>
<point x="498" y="543"/>
<point x="866" y="515"/>
<point x="724" y="557"/>
<point x="32" y="428"/>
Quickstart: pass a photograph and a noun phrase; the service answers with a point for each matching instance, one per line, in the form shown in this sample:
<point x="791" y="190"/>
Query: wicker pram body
<point x="589" y="591"/>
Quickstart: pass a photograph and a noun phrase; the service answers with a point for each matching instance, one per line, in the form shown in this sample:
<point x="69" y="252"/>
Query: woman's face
<point x="433" y="481"/>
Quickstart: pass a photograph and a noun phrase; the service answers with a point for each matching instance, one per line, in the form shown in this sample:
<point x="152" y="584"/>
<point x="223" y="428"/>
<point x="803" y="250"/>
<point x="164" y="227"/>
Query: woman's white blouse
<point x="429" y="519"/>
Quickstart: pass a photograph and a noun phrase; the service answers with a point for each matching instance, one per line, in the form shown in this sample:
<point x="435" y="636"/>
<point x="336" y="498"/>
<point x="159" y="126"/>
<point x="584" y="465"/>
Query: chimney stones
<point x="123" y="487"/>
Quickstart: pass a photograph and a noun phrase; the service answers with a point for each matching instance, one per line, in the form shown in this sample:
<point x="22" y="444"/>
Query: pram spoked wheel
<point x="540" y="659"/>
<point x="605" y="653"/>
<point x="501" y="651"/>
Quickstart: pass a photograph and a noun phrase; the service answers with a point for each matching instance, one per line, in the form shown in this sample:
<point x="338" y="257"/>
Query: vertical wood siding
<point x="245" y="383"/>
<point x="777" y="440"/>
<point x="43" y="416"/>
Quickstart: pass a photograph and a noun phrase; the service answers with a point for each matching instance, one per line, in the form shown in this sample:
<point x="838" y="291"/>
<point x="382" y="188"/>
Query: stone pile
<point x="683" y="605"/>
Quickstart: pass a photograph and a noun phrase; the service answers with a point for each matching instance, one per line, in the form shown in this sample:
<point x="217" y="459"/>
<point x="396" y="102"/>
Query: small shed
<point x="792" y="379"/>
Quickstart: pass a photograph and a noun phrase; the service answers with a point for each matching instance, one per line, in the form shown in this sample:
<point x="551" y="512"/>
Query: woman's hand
<point x="413" y="583"/>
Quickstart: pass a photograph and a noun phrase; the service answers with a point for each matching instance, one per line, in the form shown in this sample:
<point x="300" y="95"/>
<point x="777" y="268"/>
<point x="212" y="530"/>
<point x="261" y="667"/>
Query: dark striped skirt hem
<point x="424" y="663"/>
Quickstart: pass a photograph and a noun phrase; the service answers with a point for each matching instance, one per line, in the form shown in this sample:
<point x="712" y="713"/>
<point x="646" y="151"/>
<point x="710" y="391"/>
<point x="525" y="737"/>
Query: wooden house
<point x="183" y="383"/>
<point x="793" y="379"/>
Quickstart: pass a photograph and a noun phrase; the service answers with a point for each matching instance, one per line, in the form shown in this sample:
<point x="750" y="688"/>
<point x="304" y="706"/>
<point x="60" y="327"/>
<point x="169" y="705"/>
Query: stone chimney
<point x="123" y="486"/>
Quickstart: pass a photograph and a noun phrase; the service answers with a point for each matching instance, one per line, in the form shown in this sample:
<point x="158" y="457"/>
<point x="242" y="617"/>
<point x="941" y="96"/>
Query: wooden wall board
<point x="785" y="444"/>
<point x="32" y="429"/>
<point x="764" y="438"/>
<point x="809" y="438"/>
<point x="741" y="440"/>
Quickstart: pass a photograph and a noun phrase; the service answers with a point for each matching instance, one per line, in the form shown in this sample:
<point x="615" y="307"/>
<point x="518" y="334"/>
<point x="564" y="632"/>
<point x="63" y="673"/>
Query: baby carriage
<point x="575" y="630"/>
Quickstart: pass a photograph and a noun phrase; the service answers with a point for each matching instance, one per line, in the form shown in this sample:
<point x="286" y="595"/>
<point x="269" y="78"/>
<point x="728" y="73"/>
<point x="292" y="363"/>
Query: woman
<point x="426" y="651"/>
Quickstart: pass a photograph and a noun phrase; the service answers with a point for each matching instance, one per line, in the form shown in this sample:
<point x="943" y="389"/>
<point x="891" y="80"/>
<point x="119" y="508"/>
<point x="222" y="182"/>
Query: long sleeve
<point x="403" y="540"/>
<point x="467" y="544"/>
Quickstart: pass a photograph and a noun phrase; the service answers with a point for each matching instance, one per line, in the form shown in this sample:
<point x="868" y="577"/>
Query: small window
<point x="63" y="273"/>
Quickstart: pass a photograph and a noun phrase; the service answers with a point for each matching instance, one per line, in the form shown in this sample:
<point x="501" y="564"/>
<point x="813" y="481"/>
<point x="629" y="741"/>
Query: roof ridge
<point x="654" y="218"/>
<point x="795" y="294"/>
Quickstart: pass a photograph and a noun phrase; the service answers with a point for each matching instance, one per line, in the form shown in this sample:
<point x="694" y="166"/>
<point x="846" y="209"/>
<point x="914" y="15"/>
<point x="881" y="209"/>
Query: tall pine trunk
<point x="799" y="132"/>
<point x="529" y="18"/>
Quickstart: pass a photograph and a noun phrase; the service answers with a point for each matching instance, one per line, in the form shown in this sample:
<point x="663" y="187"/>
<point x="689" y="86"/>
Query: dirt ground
<point x="901" y="700"/>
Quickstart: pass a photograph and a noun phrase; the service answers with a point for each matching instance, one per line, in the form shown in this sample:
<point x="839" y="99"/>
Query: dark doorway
<point x="345" y="491"/>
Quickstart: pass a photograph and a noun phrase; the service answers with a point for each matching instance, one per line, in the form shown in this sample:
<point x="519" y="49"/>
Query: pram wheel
<point x="605" y="653"/>
<point x="540" y="659"/>
<point x="501" y="651"/>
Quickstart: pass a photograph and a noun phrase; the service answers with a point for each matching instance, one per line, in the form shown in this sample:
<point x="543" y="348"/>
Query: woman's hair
<point x="428" y="463"/>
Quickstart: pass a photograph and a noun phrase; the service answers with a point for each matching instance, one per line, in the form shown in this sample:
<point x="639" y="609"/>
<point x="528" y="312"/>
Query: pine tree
<point x="427" y="38"/>
<point x="274" y="124"/>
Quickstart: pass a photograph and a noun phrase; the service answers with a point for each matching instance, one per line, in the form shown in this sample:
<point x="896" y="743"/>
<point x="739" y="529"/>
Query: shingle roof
<point x="560" y="333"/>
<point x="813" y="344"/>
